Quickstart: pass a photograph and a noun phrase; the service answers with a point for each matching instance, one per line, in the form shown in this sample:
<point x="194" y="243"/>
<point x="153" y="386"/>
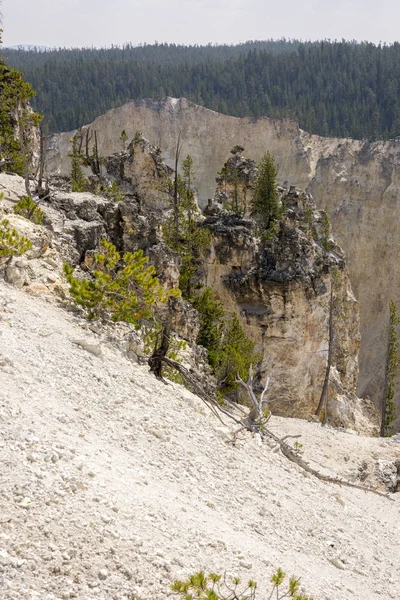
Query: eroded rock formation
<point x="281" y="288"/>
<point x="279" y="285"/>
<point x="358" y="182"/>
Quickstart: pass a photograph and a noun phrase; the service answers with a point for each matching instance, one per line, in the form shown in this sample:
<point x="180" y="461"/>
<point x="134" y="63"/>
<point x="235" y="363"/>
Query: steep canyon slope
<point x="357" y="181"/>
<point x="113" y="485"/>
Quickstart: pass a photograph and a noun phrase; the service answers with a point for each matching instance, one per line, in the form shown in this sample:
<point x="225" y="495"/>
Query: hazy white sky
<point x="105" y="22"/>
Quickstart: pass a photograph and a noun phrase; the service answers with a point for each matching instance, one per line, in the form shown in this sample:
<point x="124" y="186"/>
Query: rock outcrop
<point x="281" y="289"/>
<point x="358" y="182"/>
<point x="279" y="285"/>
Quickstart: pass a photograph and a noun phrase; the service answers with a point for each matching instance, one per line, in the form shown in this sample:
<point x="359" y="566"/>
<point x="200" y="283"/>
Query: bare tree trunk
<point x="322" y="408"/>
<point x="253" y="419"/>
<point x="176" y="199"/>
<point x="25" y="163"/>
<point x="79" y="133"/>
<point x="96" y="154"/>
<point x="160" y="352"/>
<point x="41" y="162"/>
<point x="87" y="141"/>
<point x="42" y="192"/>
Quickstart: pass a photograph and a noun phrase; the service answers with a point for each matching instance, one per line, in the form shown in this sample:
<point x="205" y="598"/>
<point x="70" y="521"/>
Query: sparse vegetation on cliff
<point x="16" y="120"/>
<point x="392" y="370"/>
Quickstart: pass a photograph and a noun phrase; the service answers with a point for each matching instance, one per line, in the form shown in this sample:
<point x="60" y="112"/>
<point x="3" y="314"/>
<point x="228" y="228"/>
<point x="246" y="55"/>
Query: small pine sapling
<point x="12" y="243"/>
<point x="326" y="241"/>
<point x="123" y="138"/>
<point x="28" y="209"/>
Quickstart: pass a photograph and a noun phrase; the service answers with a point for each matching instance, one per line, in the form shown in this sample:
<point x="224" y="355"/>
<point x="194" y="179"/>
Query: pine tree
<point x="211" y="325"/>
<point x="181" y="231"/>
<point x="230" y="350"/>
<point x="78" y="180"/>
<point x="265" y="199"/>
<point x="236" y="355"/>
<point x="122" y="288"/>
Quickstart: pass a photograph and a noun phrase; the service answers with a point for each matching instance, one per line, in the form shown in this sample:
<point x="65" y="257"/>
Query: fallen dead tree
<point x="254" y="421"/>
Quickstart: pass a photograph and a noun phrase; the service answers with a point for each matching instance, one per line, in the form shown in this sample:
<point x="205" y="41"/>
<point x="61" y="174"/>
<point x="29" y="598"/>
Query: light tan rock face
<point x="280" y="289"/>
<point x="357" y="181"/>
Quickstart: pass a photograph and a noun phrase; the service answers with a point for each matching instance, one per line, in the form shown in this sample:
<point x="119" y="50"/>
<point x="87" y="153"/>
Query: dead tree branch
<point x="255" y="416"/>
<point x="160" y="358"/>
<point x="322" y="408"/>
<point x="289" y="453"/>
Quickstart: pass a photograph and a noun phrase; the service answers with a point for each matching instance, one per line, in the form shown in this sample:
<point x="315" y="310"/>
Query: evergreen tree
<point x="265" y="198"/>
<point x="123" y="288"/>
<point x="181" y="230"/>
<point x="230" y="350"/>
<point x="78" y="180"/>
<point x="211" y="325"/>
<point x="236" y="355"/>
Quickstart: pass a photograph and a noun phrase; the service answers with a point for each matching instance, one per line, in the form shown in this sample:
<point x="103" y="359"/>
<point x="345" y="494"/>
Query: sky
<point x="77" y="23"/>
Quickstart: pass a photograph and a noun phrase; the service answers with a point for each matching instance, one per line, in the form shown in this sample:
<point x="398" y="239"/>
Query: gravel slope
<point x="113" y="485"/>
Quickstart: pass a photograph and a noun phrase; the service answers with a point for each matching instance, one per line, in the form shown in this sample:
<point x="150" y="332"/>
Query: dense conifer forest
<point x="331" y="88"/>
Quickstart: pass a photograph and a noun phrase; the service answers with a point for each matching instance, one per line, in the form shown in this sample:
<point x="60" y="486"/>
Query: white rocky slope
<point x="113" y="485"/>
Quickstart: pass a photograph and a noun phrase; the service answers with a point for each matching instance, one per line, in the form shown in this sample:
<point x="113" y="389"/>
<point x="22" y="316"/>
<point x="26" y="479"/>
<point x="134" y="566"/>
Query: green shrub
<point x="216" y="587"/>
<point x="28" y="209"/>
<point x="12" y="243"/>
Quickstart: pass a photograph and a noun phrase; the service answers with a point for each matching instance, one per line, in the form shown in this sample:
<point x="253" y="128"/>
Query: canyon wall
<point x="358" y="182"/>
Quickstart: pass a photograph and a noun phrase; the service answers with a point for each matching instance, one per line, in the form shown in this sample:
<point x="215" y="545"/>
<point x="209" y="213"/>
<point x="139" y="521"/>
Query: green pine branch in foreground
<point x="215" y="587"/>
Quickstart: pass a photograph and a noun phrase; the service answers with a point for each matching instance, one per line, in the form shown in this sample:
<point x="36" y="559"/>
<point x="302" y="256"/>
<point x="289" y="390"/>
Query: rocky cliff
<point x="357" y="181"/>
<point x="279" y="286"/>
<point x="286" y="286"/>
